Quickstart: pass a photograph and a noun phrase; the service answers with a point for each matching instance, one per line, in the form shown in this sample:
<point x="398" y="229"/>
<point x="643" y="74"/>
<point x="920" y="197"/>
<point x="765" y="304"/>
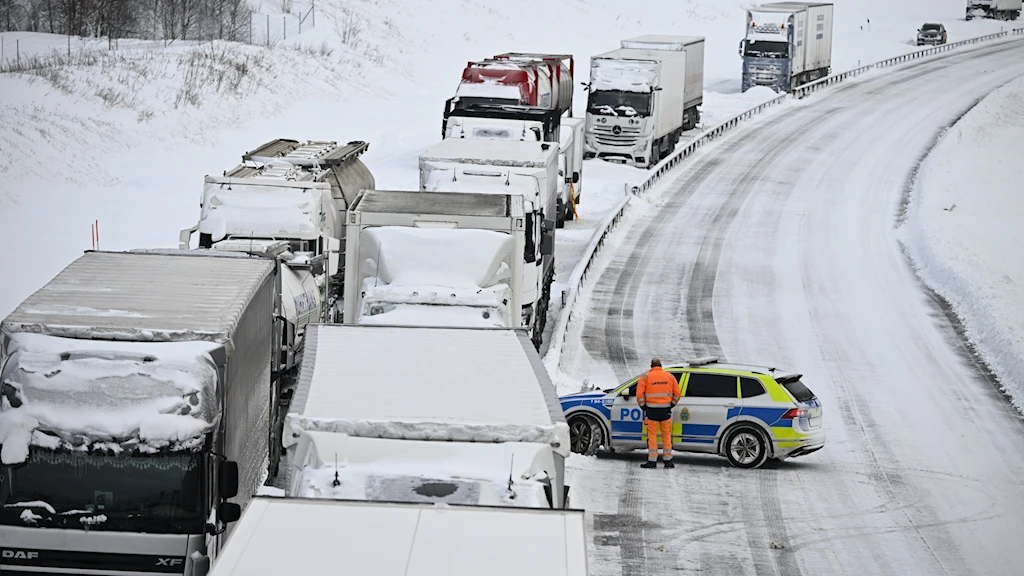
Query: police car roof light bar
<point x="703" y="361"/>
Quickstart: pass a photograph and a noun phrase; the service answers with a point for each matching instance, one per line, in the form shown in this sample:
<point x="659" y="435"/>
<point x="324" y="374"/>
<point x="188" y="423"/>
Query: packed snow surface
<point x="964" y="231"/>
<point x="112" y="395"/>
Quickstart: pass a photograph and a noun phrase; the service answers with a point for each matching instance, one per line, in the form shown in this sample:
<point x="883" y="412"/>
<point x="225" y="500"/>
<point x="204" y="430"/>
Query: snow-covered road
<point x="776" y="245"/>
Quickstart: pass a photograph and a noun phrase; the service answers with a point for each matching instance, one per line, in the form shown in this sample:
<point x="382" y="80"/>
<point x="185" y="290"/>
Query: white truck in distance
<point x="643" y="96"/>
<point x="288" y="200"/>
<point x="136" y="400"/>
<point x="997" y="9"/>
<point x="500" y="122"/>
<point x="475" y="385"/>
<point x="296" y="536"/>
<point x="787" y="44"/>
<point x="441" y="259"/>
<point x="508" y="167"/>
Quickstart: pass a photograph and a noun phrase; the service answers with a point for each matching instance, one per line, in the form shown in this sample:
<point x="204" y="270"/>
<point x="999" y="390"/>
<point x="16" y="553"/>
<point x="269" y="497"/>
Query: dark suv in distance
<point x="931" y="34"/>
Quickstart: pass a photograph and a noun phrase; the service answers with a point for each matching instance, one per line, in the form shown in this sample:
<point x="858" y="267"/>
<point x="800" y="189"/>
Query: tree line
<point x="142" y="19"/>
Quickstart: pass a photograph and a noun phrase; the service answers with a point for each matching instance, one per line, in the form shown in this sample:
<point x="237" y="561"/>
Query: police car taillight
<point x="795" y="413"/>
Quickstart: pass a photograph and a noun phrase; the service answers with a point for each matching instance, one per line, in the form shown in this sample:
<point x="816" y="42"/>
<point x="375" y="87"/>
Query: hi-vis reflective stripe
<point x="659" y="395"/>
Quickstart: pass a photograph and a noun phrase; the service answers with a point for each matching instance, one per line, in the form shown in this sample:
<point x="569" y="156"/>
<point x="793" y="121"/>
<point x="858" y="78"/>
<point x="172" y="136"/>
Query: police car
<point x="746" y="413"/>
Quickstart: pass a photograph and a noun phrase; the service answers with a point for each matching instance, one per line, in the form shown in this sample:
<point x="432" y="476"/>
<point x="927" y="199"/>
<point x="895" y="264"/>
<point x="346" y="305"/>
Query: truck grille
<point x="764" y="75"/>
<point x="606" y="135"/>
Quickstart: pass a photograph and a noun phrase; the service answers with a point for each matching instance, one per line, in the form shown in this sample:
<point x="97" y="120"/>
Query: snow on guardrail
<point x="806" y="89"/>
<point x="553" y="357"/>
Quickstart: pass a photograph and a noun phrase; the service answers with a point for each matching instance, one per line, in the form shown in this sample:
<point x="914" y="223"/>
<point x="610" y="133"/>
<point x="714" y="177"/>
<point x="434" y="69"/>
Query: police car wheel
<point x="585" y="435"/>
<point x="745" y="447"/>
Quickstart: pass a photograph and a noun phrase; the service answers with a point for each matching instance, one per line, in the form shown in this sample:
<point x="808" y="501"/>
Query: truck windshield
<point x="766" y="49"/>
<point x="138" y="493"/>
<point x="619" y="103"/>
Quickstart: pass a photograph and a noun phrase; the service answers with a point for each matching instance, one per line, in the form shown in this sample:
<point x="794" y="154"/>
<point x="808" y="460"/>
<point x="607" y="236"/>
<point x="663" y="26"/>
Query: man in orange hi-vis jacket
<point x="658" y="393"/>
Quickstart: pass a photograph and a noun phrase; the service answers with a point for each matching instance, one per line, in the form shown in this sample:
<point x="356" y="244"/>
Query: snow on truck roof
<point x="385" y="470"/>
<point x="670" y="42"/>
<point x="388" y="539"/>
<point x="143" y="297"/>
<point x="637" y="54"/>
<point x="417" y="383"/>
<point x="787" y="6"/>
<point x="437" y="203"/>
<point x="96" y="394"/>
<point x="492" y="152"/>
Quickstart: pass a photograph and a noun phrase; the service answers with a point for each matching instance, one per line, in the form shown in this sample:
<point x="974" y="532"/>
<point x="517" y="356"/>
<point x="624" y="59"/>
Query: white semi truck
<point x="442" y="259"/>
<point x="302" y="536"/>
<point x="288" y="200"/>
<point x="500" y="122"/>
<point x="474" y="385"/>
<point x="643" y="96"/>
<point x="787" y="44"/>
<point x="136" y="401"/>
<point x="504" y="167"/>
<point x="997" y="9"/>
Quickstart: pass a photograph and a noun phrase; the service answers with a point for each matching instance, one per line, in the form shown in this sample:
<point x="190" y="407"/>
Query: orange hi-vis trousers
<point x="665" y="426"/>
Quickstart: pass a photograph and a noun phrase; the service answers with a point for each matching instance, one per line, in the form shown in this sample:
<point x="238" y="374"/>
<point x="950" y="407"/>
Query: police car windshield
<point x="143" y="493"/>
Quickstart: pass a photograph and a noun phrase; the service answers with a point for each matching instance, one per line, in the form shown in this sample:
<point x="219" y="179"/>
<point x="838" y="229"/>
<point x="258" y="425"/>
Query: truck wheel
<point x="560" y="214"/>
<point x="745" y="447"/>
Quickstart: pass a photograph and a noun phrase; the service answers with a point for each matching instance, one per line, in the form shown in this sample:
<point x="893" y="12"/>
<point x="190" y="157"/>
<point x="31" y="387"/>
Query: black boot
<point x="669" y="464"/>
<point x="649" y="465"/>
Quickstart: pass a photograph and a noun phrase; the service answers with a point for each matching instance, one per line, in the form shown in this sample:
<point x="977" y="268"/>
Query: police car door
<point x="627" y="417"/>
<point x="704" y="407"/>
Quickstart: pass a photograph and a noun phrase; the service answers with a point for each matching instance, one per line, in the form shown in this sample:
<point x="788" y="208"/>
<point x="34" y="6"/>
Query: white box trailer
<point x="343" y="467"/>
<point x="136" y="378"/>
<point x="787" y="44"/>
<point x="638" y="104"/>
<point x="415" y="383"/>
<point x="447" y="259"/>
<point x="297" y="536"/>
<point x="504" y="167"/>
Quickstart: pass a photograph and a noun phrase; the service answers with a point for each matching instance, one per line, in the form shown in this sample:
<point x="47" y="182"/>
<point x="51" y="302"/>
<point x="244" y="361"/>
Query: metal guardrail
<point x="579" y="274"/>
<point x="804" y="90"/>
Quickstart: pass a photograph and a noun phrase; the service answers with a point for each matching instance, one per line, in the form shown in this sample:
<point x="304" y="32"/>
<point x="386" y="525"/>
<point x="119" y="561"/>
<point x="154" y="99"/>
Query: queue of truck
<point x="369" y="353"/>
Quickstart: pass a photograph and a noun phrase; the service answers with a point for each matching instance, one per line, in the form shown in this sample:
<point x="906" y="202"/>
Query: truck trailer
<point x="301" y="536"/>
<point x="997" y="9"/>
<point x="787" y="44"/>
<point x="342" y="467"/>
<point x="136" y="401"/>
<point x="447" y="259"/>
<point x="429" y="384"/>
<point x="288" y="200"/>
<point x="643" y="96"/>
<point x="519" y="79"/>
<point x="508" y="167"/>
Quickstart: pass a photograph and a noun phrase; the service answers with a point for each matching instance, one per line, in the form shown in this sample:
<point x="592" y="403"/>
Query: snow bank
<point x="104" y="395"/>
<point x="963" y="229"/>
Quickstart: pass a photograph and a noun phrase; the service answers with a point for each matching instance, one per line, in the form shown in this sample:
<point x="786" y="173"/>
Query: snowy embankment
<point x="125" y="136"/>
<point x="963" y="231"/>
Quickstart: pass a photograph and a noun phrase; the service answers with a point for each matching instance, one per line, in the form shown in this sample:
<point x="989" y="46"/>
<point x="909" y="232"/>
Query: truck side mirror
<point x="229" y="512"/>
<point x="333" y="255"/>
<point x="227" y="479"/>
<point x="575" y="177"/>
<point x="741" y="48"/>
<point x="547" y="239"/>
<point x="185" y="237"/>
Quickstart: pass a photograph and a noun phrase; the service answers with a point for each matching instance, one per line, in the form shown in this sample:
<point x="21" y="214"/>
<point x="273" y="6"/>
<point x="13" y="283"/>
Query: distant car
<point x="933" y="34"/>
<point x="746" y="413"/>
